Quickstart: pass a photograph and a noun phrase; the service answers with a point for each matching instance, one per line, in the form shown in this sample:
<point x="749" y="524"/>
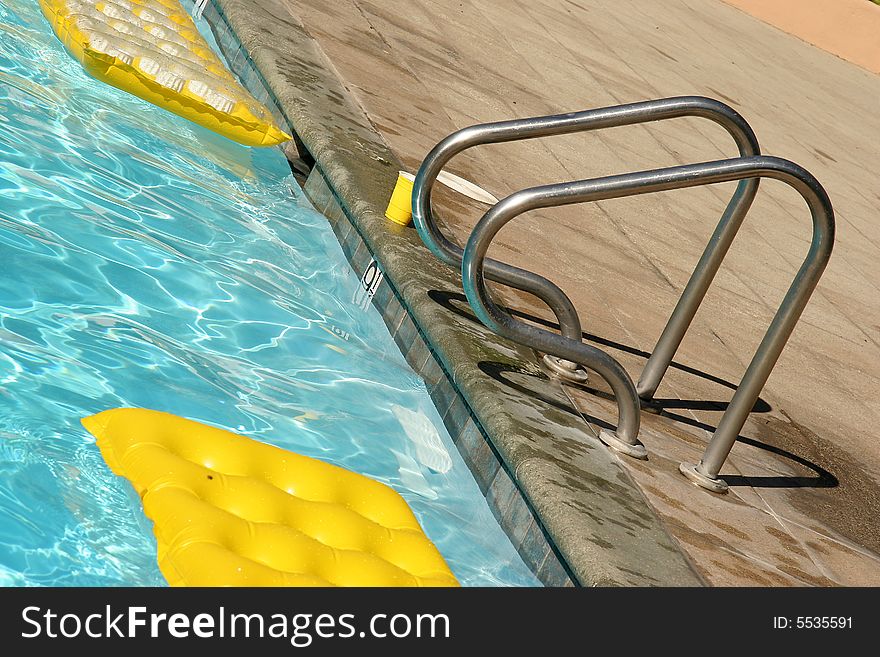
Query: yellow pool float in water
<point x="231" y="511"/>
<point x="153" y="50"/>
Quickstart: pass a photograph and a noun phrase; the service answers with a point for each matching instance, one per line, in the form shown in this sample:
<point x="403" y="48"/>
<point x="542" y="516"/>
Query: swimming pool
<point x="148" y="262"/>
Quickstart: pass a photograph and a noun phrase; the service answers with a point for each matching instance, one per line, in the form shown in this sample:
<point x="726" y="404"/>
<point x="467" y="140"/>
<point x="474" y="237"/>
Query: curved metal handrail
<point x="595" y="119"/>
<point x="705" y="473"/>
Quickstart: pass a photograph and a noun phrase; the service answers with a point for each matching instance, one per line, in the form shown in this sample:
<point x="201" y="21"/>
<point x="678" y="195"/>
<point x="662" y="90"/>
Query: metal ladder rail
<point x="704" y="473"/>
<point x="594" y="119"/>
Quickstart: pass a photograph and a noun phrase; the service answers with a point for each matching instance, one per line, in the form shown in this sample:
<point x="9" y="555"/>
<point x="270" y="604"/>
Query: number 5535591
<point x="822" y="622"/>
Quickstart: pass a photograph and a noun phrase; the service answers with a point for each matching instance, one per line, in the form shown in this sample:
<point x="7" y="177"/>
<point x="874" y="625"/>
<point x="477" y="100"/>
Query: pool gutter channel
<point x="570" y="509"/>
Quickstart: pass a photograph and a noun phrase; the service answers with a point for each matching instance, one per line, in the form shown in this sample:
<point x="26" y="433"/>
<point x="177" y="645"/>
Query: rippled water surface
<point x="147" y="262"/>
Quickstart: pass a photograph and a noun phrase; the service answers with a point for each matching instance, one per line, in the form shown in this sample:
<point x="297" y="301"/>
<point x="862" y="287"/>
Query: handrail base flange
<point x="714" y="485"/>
<point x="565" y="369"/>
<point x="637" y="451"/>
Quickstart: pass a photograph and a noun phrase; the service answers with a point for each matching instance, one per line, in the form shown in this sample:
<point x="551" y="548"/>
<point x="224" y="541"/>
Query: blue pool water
<point x="147" y="262"/>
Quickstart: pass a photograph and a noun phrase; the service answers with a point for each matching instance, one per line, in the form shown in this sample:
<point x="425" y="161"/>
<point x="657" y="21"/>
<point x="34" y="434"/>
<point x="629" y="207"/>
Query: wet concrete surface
<point x="797" y="511"/>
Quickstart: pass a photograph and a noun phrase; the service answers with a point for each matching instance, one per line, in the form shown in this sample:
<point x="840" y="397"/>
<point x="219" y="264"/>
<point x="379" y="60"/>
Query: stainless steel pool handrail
<point x="705" y="473"/>
<point x="595" y="119"/>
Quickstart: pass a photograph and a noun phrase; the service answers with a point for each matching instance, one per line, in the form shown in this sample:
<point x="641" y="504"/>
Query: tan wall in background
<point x="848" y="28"/>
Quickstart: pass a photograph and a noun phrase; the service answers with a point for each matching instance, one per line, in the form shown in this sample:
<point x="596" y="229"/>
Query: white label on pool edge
<point x="369" y="284"/>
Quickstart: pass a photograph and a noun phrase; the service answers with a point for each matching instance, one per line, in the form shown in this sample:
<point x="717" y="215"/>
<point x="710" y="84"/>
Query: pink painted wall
<point x="848" y="28"/>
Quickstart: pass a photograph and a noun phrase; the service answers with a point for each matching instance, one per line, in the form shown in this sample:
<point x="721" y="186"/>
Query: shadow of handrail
<point x="704" y="473"/>
<point x="445" y="299"/>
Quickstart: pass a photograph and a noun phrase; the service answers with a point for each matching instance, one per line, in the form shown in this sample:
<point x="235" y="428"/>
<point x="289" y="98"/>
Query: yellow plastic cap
<point x="400" y="206"/>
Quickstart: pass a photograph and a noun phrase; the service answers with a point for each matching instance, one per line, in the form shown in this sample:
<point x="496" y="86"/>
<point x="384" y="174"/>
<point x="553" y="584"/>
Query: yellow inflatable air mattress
<point x="152" y="49"/>
<point x="231" y="511"/>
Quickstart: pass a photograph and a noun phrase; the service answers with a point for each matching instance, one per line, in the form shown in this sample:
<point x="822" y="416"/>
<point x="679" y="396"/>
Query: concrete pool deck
<point x="804" y="495"/>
